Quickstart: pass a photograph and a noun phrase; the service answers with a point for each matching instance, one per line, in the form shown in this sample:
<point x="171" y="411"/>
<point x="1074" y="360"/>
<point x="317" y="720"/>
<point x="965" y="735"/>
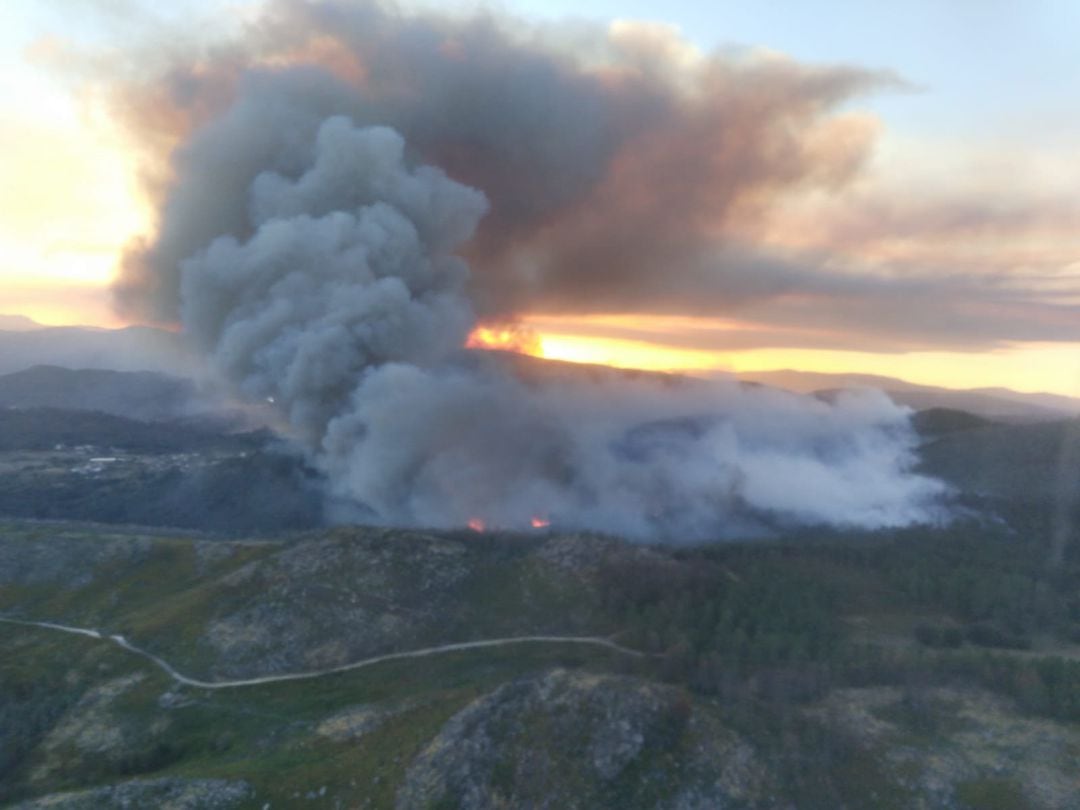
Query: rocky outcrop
<point x="164" y="794"/>
<point x="333" y="599"/>
<point x="94" y="730"/>
<point x="574" y="739"/>
<point x="951" y="748"/>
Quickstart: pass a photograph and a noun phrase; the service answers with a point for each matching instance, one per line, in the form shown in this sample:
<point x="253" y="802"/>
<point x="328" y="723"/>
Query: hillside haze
<point x="992" y="403"/>
<point x="144" y="395"/>
<point x="24" y="344"/>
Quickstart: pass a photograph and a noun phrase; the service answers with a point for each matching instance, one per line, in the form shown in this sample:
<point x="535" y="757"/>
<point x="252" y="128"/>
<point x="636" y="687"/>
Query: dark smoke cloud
<point x="613" y="168"/>
<point x="626" y="173"/>
<point x="328" y="171"/>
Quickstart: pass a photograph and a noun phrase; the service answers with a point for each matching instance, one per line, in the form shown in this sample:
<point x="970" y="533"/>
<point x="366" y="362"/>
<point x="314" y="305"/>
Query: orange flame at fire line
<point x="476" y="524"/>
<point x="540" y="523"/>
<point x="507" y="337"/>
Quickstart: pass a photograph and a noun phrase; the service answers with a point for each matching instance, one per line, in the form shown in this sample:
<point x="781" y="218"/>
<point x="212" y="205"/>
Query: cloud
<point x="614" y="167"/>
<point x="627" y="172"/>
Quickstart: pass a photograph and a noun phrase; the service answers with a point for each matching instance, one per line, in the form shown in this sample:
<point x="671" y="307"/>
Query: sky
<point x="950" y="255"/>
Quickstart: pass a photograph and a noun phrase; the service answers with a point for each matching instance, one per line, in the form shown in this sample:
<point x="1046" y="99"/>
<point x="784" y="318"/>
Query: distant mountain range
<point x="146" y="395"/>
<point x="1001" y="404"/>
<point x="18" y="323"/>
<point x="997" y="404"/>
<point x="24" y="343"/>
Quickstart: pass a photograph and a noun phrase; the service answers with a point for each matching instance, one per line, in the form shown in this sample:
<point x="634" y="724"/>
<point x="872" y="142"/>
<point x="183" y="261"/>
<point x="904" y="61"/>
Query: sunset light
<point x="834" y="272"/>
<point x="506" y="337"/>
<point x="625" y="353"/>
<point x="69" y="201"/>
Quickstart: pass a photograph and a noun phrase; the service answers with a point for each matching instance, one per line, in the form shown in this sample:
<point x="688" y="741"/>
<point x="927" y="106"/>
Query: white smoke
<point x="346" y="308"/>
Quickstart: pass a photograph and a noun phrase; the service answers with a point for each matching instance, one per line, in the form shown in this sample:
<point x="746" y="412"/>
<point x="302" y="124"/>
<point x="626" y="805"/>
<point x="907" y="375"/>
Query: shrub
<point x="988" y="634"/>
<point x="939" y="637"/>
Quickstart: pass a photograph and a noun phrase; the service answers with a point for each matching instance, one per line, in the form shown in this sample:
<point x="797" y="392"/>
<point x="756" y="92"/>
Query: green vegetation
<point x="757" y="639"/>
<point x="224" y="491"/>
<point x="214" y="734"/>
<point x="44" y="428"/>
<point x="934" y="665"/>
<point x="992" y="794"/>
<point x="791" y="621"/>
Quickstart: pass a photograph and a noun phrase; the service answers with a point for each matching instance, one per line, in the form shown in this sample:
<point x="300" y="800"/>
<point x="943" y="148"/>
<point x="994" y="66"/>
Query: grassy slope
<point x="265" y="735"/>
<point x="734" y="624"/>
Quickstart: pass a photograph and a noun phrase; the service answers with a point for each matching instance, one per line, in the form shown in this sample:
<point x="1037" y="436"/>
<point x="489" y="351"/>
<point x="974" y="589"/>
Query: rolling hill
<point x="134" y="348"/>
<point x="18" y="323"/>
<point x="144" y="395"/>
<point x="991" y="403"/>
<point x="752" y="676"/>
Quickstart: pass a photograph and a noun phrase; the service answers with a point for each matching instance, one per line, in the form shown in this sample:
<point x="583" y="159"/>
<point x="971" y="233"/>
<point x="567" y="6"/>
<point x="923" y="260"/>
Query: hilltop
<point x="132" y="348"/>
<point x="143" y="395"/>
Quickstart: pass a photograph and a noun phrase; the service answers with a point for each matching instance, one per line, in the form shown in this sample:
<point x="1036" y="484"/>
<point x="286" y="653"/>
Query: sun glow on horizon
<point x="628" y="354"/>
<point x="1045" y="367"/>
<point x="510" y="337"/>
<point x="568" y="346"/>
<point x="1032" y="368"/>
<point x="69" y="202"/>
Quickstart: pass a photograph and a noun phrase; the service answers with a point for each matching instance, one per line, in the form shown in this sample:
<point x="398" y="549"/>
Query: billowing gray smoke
<point x="348" y="268"/>
<point x="605" y="155"/>
<point x="343" y="304"/>
<point x="627" y="172"/>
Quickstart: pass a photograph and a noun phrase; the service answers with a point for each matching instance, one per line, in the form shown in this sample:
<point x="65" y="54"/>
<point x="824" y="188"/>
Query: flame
<point x="507" y="337"/>
<point x="540" y="523"/>
<point x="477" y="525"/>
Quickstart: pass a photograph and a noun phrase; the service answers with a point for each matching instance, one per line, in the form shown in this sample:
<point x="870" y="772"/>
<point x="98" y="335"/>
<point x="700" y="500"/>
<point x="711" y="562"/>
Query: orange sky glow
<point x="70" y="201"/>
<point x="1043" y="367"/>
<point x="59" y="246"/>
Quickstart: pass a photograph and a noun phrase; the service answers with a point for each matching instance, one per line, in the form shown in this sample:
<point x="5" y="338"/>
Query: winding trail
<point x="424" y="652"/>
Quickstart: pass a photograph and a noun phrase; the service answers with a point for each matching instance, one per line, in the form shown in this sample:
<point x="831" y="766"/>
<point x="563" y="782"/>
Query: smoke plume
<point x="346" y="307"/>
<point x="621" y="165"/>
<point x="326" y="181"/>
<point x="627" y="171"/>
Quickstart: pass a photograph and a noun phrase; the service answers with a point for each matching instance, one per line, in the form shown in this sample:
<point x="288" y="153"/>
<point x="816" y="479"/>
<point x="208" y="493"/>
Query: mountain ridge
<point x="145" y="348"/>
<point x="991" y="402"/>
<point x="131" y="348"/>
<point x="18" y="323"/>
